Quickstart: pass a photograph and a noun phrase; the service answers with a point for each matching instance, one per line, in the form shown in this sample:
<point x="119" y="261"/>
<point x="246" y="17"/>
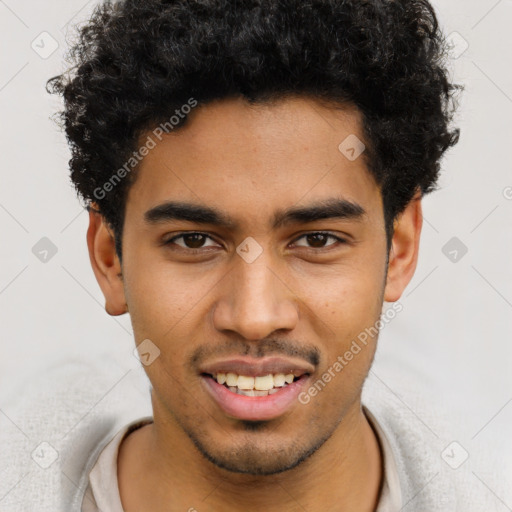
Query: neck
<point x="159" y="465"/>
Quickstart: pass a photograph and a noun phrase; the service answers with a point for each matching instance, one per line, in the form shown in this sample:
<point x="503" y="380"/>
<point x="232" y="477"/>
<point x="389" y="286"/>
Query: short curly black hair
<point x="137" y="62"/>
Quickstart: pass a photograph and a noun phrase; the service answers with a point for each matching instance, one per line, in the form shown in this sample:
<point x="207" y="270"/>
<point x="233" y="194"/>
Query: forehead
<point x="253" y="160"/>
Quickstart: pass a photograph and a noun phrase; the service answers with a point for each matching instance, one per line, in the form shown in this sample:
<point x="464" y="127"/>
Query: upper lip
<point x="258" y="367"/>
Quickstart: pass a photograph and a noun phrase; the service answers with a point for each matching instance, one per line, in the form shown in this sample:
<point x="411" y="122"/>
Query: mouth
<point x="254" y="398"/>
<point x="246" y="385"/>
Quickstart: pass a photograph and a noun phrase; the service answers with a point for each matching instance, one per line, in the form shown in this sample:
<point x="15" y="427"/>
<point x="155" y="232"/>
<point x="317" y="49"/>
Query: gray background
<point x="455" y="332"/>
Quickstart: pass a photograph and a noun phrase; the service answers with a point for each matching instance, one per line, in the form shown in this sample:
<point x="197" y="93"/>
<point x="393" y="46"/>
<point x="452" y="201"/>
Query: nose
<point x="255" y="301"/>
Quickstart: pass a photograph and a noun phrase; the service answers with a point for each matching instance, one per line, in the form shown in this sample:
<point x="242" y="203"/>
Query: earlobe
<point x="105" y="263"/>
<point x="403" y="255"/>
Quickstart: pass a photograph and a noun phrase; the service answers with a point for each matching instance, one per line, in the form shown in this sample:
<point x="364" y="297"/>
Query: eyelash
<point x="169" y="242"/>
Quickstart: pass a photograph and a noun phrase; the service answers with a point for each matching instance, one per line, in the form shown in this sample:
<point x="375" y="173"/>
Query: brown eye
<point x="194" y="241"/>
<point x="190" y="241"/>
<point x="319" y="240"/>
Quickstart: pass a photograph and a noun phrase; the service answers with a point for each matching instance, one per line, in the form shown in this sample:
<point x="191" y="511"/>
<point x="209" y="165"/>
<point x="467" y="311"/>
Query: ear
<point x="105" y="263"/>
<point x="403" y="254"/>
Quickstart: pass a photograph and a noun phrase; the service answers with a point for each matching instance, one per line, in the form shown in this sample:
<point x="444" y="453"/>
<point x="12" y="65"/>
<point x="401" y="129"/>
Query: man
<point x="254" y="173"/>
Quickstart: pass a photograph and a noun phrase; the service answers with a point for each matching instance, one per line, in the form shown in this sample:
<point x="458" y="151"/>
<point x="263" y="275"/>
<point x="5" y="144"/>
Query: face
<point x="274" y="262"/>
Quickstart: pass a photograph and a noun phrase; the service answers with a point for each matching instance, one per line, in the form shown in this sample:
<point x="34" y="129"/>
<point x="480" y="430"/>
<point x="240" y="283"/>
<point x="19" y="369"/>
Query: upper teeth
<point x="264" y="383"/>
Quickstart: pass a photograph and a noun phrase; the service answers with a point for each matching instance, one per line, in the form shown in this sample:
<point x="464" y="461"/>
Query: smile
<point x="245" y="402"/>
<point x="254" y="386"/>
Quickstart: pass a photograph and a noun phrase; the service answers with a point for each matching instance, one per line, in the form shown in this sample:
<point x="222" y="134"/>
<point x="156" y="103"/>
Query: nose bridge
<point x="254" y="284"/>
<point x="254" y="302"/>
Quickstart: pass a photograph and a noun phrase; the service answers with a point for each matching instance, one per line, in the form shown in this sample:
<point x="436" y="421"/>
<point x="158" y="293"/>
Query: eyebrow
<point x="333" y="208"/>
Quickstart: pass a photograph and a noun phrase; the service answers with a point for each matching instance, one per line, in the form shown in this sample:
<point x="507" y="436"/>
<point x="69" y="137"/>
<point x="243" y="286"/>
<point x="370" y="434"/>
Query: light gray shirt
<point x="102" y="494"/>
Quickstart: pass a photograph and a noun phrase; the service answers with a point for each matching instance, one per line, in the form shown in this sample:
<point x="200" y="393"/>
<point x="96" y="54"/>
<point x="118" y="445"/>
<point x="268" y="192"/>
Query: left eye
<point x="191" y="240"/>
<point x="318" y="240"/>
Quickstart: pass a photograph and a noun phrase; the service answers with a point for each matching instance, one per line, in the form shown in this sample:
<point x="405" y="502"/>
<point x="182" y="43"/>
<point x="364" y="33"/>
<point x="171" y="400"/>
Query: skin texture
<point x="300" y="296"/>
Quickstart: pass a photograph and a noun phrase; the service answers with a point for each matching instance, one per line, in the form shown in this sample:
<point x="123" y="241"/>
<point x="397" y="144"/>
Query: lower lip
<point x="255" y="407"/>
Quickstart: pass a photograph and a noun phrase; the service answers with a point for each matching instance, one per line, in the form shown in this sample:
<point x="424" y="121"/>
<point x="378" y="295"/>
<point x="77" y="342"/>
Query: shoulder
<point x="438" y="465"/>
<point x="57" y="423"/>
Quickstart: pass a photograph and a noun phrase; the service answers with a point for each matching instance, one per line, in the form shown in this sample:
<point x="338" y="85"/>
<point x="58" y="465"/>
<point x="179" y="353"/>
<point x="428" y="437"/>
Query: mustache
<point x="256" y="350"/>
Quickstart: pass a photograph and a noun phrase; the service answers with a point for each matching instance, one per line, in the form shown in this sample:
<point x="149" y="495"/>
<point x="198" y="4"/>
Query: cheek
<point x="347" y="296"/>
<point x="348" y="303"/>
<point x="163" y="299"/>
